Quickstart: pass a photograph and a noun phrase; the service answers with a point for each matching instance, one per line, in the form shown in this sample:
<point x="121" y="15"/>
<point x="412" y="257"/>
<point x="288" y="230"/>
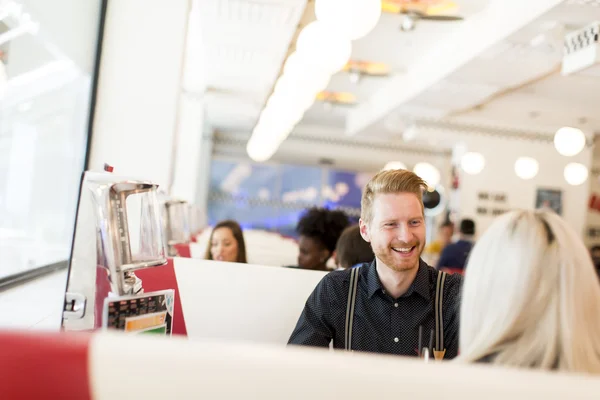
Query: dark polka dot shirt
<point x="382" y="324"/>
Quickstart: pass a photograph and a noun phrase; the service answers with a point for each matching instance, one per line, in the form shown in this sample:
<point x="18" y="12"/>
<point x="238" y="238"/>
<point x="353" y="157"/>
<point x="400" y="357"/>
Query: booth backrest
<point x="242" y="301"/>
<point x="162" y="278"/>
<point x="119" y="366"/>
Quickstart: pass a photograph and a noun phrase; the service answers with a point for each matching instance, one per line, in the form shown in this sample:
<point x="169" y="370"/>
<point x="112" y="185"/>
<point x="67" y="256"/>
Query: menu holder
<point x="148" y="313"/>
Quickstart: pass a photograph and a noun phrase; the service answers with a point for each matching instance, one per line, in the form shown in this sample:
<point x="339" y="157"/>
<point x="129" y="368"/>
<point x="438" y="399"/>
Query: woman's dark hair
<point x="352" y="249"/>
<point x="236" y="230"/>
<point x="323" y="225"/>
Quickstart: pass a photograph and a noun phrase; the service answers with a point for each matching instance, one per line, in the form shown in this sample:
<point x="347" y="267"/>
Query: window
<point x="47" y="53"/>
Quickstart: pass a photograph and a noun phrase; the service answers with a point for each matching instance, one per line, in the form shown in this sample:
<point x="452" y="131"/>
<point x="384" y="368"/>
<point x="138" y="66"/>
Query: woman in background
<point x="226" y="243"/>
<point x="319" y="231"/>
<point x="531" y="297"/>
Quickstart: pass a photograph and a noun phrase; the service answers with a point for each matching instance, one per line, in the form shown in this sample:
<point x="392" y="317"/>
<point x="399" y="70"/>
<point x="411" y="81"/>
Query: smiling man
<point x="382" y="307"/>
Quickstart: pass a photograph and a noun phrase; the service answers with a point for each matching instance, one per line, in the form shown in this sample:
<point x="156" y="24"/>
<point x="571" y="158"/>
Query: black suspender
<point x="350" y="308"/>
<point x="439" y="350"/>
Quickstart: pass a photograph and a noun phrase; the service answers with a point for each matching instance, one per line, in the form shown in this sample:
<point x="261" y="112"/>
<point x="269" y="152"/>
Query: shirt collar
<point x="420" y="285"/>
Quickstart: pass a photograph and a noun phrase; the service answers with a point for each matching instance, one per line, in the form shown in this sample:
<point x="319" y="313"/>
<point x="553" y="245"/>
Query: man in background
<point x="352" y="250"/>
<point x="454" y="256"/>
<point x="433" y="251"/>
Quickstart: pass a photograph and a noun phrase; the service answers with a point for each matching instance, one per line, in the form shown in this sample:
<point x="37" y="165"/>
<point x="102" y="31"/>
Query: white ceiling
<point x="532" y="94"/>
<point x="245" y="43"/>
<point x="512" y="82"/>
<point x="385" y="44"/>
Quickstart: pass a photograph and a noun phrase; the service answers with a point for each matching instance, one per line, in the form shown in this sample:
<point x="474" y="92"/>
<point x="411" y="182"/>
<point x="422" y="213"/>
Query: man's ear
<point x="364" y="230"/>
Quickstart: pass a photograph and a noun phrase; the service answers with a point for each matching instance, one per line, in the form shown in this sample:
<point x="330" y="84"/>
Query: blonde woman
<point x="531" y="297"/>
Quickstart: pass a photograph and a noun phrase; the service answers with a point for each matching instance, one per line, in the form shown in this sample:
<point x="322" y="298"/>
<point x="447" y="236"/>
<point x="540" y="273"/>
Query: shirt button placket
<point x="396" y="324"/>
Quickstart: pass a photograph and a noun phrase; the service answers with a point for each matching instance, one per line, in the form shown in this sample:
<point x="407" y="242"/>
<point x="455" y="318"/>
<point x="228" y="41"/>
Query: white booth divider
<point x="242" y="302"/>
<point x="124" y="366"/>
<point x="175" y="369"/>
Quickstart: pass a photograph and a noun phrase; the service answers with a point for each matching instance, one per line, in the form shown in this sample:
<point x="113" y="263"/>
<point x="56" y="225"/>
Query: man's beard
<point x="390" y="259"/>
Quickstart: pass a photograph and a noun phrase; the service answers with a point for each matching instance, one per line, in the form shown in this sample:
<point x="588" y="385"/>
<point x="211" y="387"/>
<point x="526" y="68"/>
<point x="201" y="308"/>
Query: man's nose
<point x="403" y="234"/>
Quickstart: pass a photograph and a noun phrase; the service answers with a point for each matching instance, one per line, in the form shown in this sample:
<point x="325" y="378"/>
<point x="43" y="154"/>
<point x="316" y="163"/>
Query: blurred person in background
<point x="352" y="250"/>
<point x="454" y="256"/>
<point x="319" y="231"/>
<point x="531" y="297"/>
<point x="226" y="243"/>
<point x="433" y="251"/>
<point x="595" y="254"/>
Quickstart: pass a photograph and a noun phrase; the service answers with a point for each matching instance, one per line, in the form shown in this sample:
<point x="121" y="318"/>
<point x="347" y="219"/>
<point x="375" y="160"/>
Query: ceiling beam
<point x="500" y="19"/>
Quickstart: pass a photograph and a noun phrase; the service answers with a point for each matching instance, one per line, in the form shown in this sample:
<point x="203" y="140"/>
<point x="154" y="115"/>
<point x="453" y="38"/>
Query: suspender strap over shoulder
<point x="350" y="308"/>
<point x="439" y="350"/>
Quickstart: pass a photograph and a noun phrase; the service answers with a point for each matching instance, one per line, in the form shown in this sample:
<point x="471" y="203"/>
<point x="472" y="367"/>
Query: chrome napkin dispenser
<point x="176" y="224"/>
<point x="196" y="219"/>
<point x="117" y="231"/>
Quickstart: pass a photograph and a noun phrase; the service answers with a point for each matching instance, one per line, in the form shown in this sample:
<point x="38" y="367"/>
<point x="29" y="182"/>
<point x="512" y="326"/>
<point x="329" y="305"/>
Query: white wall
<point x="139" y="87"/>
<point x="499" y="177"/>
<point x="190" y="148"/>
<point x="187" y="148"/>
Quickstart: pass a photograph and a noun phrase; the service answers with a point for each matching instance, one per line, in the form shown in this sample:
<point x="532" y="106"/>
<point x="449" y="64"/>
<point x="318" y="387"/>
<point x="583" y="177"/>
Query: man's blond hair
<point x="390" y="181"/>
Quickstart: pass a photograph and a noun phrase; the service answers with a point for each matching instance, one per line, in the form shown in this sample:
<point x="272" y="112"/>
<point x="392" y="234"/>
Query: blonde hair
<point x="390" y="181"/>
<point x="531" y="296"/>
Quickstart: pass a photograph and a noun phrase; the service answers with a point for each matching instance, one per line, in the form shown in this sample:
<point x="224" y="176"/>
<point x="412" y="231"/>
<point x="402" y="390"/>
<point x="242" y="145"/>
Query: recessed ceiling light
<point x="408" y="23"/>
<point x="354" y="77"/>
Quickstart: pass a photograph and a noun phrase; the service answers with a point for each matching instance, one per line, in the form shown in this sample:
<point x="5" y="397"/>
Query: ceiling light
<point x="354" y="19"/>
<point x="575" y="174"/>
<point x="323" y="47"/>
<point x="300" y="102"/>
<point x="526" y="167"/>
<point x="265" y="141"/>
<point x="408" y="23"/>
<point x="472" y="163"/>
<point x="569" y="141"/>
<point x="280" y="114"/>
<point x="354" y="76"/>
<point x="291" y="86"/>
<point x="303" y="71"/>
<point x="394" y="165"/>
<point x="261" y="151"/>
<point x="427" y="172"/>
<point x="291" y="64"/>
